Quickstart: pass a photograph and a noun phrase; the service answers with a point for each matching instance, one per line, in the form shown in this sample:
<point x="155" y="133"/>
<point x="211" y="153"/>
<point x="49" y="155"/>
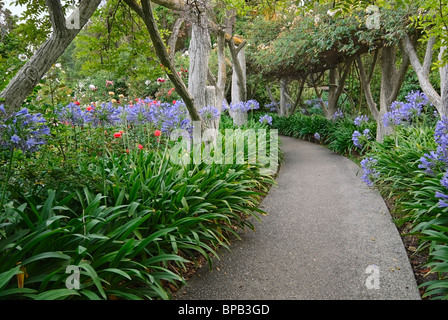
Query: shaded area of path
<point x="324" y="229"/>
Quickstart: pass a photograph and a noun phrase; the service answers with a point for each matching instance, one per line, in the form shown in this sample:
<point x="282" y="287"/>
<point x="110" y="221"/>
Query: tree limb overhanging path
<point x="327" y="236"/>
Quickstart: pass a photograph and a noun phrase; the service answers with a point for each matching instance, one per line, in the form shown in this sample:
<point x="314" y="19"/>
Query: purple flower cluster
<point x="165" y="116"/>
<point x="271" y="106"/>
<point x="404" y="112"/>
<point x="359" y="139"/>
<point x="338" y="115"/>
<point x="360" y="120"/>
<point x="23" y="130"/>
<point x="209" y="113"/>
<point x="266" y="119"/>
<point x="443" y="202"/>
<point x="315" y="103"/>
<point x="439" y="158"/>
<point x="244" y="106"/>
<point x="369" y="172"/>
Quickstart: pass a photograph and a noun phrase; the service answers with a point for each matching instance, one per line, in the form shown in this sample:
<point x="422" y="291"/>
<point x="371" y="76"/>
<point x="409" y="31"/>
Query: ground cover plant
<point x="120" y="210"/>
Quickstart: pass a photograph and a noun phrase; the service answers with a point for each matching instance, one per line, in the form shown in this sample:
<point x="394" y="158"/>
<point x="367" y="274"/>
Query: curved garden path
<point x="324" y="229"/>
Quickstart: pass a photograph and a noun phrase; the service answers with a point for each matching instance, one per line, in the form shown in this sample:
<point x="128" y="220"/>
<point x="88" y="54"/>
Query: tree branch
<point x="57" y="17"/>
<point x="366" y="88"/>
<point x="162" y="53"/>
<point x="428" y="56"/>
<point x="422" y="76"/>
<point x="174" y="36"/>
<point x="372" y="67"/>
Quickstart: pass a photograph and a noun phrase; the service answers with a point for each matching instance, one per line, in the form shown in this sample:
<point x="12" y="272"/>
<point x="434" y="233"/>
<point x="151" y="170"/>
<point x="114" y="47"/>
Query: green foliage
<point x="303" y="41"/>
<point x="131" y="222"/>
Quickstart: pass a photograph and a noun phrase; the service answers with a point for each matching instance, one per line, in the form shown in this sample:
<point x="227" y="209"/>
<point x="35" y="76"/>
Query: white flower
<point x="22" y="57"/>
<point x="331" y="13"/>
<point x="58" y="65"/>
<point x="92" y="87"/>
<point x="148" y="82"/>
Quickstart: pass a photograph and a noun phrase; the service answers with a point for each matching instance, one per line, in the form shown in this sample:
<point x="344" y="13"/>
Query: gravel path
<point x="326" y="236"/>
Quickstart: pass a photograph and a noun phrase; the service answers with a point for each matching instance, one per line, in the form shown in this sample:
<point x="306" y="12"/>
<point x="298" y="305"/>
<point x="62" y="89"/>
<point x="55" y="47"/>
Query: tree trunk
<point x="239" y="90"/>
<point x="336" y="87"/>
<point x="332" y="93"/>
<point x="391" y="80"/>
<point x="422" y="71"/>
<point x="199" y="52"/>
<point x="283" y="110"/>
<point x="443" y="85"/>
<point x="174" y="36"/>
<point x="145" y="12"/>
<point x="64" y="31"/>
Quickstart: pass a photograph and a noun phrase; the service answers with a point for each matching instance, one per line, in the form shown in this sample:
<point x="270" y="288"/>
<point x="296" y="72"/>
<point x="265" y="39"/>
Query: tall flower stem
<point x="8" y="175"/>
<point x="103" y="133"/>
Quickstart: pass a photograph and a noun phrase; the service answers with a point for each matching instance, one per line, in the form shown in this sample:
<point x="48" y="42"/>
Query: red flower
<point x="140" y="146"/>
<point x="127" y="150"/>
<point x="89" y="108"/>
<point x="174" y="102"/>
<point x="157" y="133"/>
<point x="77" y="103"/>
<point x="117" y="135"/>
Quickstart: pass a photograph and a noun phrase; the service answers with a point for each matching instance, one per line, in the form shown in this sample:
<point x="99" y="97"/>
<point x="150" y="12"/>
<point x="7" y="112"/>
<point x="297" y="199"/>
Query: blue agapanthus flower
<point x="266" y="119"/>
<point x="244" y="106"/>
<point x="209" y="113"/>
<point x="360" y="120"/>
<point x="23" y="131"/>
<point x="359" y="138"/>
<point x="369" y="171"/>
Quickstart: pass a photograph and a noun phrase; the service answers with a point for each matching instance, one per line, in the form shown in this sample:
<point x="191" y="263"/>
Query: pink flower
<point x="109" y="83"/>
<point x="157" y="133"/>
<point x="140" y="146"/>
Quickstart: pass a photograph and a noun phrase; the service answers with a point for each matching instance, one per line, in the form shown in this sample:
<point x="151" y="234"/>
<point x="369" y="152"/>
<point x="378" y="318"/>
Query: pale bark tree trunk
<point x="391" y="80"/>
<point x="211" y="125"/>
<point x="440" y="101"/>
<point x="64" y="32"/>
<point x="283" y="109"/>
<point x="199" y="52"/>
<point x="443" y="85"/>
<point x="145" y="12"/>
<point x="238" y="91"/>
<point x="174" y="36"/>
<point x="239" y="88"/>
<point x="220" y="84"/>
